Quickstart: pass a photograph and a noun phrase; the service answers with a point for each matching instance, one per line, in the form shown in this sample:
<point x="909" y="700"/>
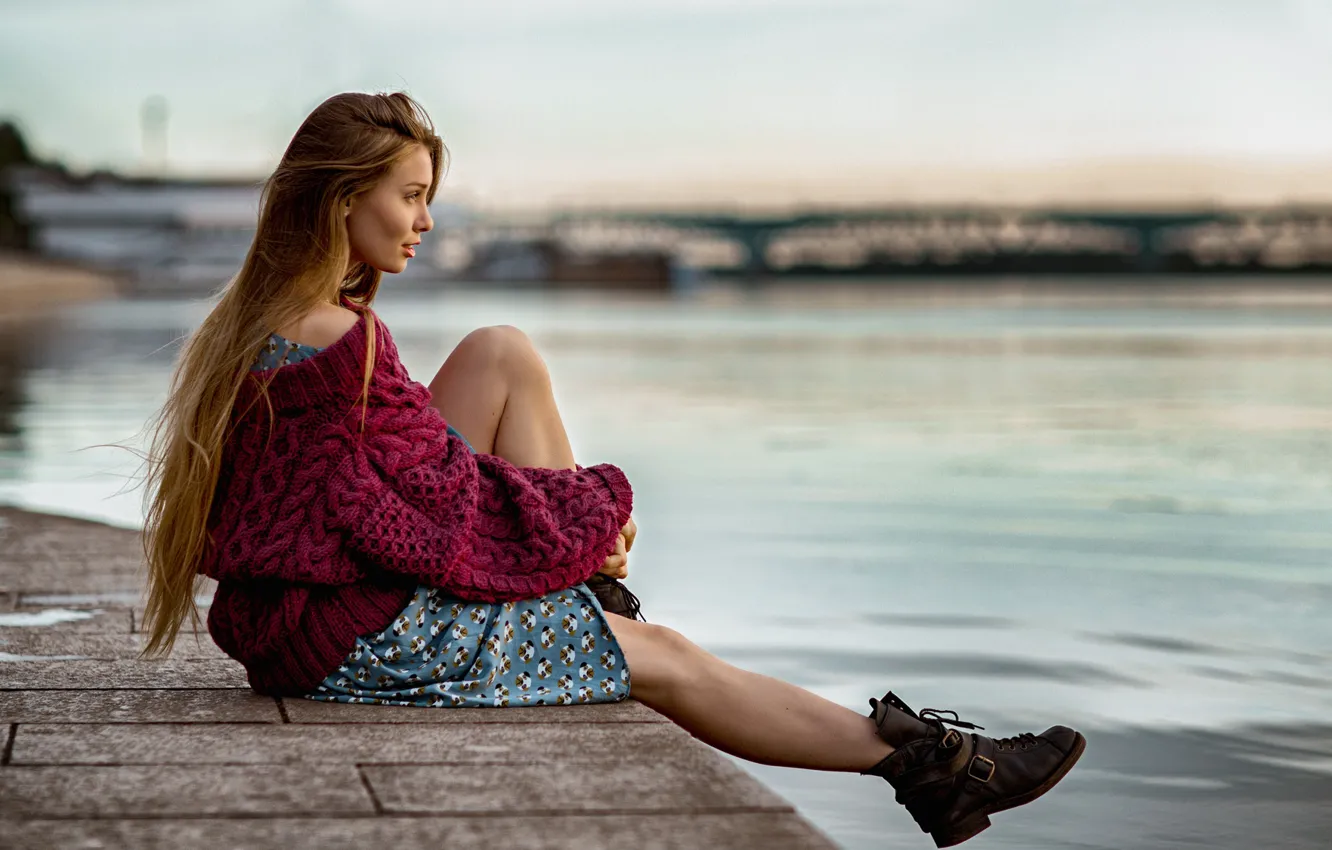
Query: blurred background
<point x="974" y="350"/>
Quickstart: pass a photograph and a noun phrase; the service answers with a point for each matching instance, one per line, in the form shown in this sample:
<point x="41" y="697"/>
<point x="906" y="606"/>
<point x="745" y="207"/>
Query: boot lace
<point x="1010" y="744"/>
<point x="1017" y="742"/>
<point x="937" y="716"/>
<point x="631" y="603"/>
<point x="612" y="591"/>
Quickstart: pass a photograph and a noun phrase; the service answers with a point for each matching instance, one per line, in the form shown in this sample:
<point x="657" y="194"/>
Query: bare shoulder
<point x="322" y="327"/>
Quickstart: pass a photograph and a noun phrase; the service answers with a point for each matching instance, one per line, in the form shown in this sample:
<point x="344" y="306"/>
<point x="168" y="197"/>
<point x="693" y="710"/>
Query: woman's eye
<point x="413" y="196"/>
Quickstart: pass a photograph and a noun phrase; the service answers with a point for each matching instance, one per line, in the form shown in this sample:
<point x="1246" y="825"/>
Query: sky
<point x="679" y="99"/>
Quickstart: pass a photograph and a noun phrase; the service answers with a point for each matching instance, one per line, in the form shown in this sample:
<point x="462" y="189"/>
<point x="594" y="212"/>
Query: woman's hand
<point x="617" y="562"/>
<point x="630" y="531"/>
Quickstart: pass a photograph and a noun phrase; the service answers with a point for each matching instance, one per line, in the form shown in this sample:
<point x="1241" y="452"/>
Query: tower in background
<point x="153" y="116"/>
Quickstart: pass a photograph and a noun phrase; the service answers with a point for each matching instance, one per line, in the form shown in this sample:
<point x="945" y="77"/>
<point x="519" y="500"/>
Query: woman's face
<point x="384" y="225"/>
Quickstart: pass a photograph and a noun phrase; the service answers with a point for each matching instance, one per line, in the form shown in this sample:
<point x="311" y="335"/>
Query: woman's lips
<point x="410" y="249"/>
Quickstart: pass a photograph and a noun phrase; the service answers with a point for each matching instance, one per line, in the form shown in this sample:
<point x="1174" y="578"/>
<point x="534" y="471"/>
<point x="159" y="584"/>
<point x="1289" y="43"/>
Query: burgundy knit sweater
<point x="321" y="532"/>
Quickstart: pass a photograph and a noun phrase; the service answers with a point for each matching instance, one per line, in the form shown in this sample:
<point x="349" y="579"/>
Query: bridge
<point x="177" y="230"/>
<point x="937" y="238"/>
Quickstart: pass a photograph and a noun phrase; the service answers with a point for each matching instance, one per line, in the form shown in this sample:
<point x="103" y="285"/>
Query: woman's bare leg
<point x="755" y="717"/>
<point x="495" y="389"/>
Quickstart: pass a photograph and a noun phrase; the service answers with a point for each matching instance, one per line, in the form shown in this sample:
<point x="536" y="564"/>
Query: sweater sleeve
<point x="414" y="501"/>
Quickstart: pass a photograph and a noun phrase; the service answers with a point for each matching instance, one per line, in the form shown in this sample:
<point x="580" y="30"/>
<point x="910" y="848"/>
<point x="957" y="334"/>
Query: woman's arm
<point x="475" y="524"/>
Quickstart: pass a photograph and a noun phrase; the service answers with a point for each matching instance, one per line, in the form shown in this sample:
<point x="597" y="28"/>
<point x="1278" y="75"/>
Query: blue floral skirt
<point x="557" y="649"/>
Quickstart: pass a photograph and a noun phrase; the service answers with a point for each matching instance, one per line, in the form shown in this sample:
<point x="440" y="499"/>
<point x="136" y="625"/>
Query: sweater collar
<point x="335" y="374"/>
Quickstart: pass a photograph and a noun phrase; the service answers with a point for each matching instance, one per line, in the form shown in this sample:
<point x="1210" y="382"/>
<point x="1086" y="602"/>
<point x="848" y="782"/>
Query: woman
<point x="377" y="541"/>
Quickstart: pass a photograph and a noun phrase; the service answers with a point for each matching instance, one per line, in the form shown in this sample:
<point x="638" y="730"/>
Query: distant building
<point x="549" y="262"/>
<point x="166" y="236"/>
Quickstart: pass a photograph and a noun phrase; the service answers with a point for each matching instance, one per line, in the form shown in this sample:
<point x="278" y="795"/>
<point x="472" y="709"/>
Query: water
<point x="1111" y="513"/>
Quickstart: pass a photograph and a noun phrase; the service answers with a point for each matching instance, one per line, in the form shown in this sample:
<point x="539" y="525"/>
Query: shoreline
<point x="33" y="285"/>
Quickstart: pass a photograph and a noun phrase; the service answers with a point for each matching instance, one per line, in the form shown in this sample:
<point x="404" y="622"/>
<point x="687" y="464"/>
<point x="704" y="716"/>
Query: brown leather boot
<point x="615" y="597"/>
<point x="952" y="782"/>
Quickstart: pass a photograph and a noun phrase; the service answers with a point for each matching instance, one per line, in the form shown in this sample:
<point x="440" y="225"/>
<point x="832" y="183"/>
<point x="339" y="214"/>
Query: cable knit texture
<point x="321" y="531"/>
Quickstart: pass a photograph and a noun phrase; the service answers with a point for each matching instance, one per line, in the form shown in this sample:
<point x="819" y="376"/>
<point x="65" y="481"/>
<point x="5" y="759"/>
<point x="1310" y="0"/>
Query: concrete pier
<point x="101" y="749"/>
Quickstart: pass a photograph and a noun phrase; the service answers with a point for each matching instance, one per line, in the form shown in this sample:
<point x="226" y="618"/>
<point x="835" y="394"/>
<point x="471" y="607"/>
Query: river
<point x="1105" y="510"/>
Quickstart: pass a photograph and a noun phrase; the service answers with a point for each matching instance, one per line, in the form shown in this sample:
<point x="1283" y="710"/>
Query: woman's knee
<point x="506" y="349"/>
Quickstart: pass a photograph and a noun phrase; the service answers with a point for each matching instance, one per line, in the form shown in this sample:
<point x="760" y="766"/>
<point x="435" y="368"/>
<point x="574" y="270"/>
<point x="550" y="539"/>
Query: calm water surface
<point x="1109" y="515"/>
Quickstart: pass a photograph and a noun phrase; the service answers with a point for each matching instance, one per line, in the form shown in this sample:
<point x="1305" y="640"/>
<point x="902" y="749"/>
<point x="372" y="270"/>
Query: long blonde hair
<point x="299" y="259"/>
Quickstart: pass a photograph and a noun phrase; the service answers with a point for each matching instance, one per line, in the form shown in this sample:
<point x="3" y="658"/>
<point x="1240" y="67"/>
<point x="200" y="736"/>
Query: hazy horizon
<point x="783" y="102"/>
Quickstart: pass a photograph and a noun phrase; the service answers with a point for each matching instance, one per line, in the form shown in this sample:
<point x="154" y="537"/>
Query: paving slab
<point x="69" y="577"/>
<point x="107" y="647"/>
<point x="28" y="532"/>
<point x="490" y="743"/>
<point x="44" y="792"/>
<point x="132" y="598"/>
<point x="186" y="627"/>
<point x="41" y="554"/>
<point x="62" y="620"/>
<point x="695" y="785"/>
<point x="156" y="706"/>
<point x="734" y="831"/>
<point x="120" y="674"/>
<point x="311" y="711"/>
<point x="80" y="599"/>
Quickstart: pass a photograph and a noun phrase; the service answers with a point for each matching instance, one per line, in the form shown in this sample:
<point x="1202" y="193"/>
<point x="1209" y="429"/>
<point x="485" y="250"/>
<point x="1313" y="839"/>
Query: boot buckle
<point x="950" y="739"/>
<point x="988" y="766"/>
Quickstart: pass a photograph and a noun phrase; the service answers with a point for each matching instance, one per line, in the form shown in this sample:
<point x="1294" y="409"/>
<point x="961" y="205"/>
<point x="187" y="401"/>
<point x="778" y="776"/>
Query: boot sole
<point x="980" y="821"/>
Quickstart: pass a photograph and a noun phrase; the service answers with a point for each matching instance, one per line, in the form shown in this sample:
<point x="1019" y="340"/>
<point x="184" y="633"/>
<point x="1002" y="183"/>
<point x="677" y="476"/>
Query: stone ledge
<point x="147" y="706"/>
<point x="310" y="711"/>
<point x="103" y="749"/>
<point x="121" y="674"/>
<point x="454" y="743"/>
<point x="766" y="830"/>
<point x="165" y="791"/>
<point x="640" y="785"/>
<point x="26" y="621"/>
<point x="105" y="647"/>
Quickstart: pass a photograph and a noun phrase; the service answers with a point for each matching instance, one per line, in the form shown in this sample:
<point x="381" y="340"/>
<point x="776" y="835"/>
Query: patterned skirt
<point x="557" y="649"/>
<point x="442" y="651"/>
